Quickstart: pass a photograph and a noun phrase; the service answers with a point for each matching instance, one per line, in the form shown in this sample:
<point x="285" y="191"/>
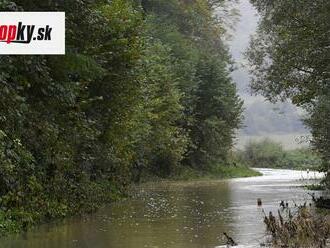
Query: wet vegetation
<point x="217" y="172"/>
<point x="144" y="88"/>
<point x="298" y="227"/>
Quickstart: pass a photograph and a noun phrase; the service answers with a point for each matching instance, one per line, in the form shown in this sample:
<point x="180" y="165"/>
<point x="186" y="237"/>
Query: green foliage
<point x="165" y="141"/>
<point x="290" y="52"/>
<point x="263" y="154"/>
<point x="144" y="88"/>
<point x="269" y="154"/>
<point x="211" y="107"/>
<point x="289" y="58"/>
<point x="7" y="225"/>
<point x="216" y="172"/>
<point x="319" y="123"/>
<point x="217" y="114"/>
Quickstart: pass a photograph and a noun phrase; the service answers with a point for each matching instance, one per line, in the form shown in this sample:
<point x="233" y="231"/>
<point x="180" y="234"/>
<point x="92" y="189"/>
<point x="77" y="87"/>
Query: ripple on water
<point x="175" y="215"/>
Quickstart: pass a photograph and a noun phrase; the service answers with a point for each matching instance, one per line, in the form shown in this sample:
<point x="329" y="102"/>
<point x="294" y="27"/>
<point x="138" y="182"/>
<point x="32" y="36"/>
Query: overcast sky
<point x="244" y="28"/>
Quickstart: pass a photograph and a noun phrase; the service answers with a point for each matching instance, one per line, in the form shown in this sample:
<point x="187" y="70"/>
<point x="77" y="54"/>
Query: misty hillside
<point x="263" y="117"/>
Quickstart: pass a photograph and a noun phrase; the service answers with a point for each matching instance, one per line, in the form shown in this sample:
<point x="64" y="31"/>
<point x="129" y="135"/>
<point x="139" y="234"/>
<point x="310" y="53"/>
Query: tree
<point x="165" y="141"/>
<point x="211" y="107"/>
<point x="217" y="113"/>
<point x="289" y="55"/>
<point x="289" y="58"/>
<point x="319" y="123"/>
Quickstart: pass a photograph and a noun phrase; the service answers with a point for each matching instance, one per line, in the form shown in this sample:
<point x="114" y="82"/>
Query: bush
<point x="269" y="154"/>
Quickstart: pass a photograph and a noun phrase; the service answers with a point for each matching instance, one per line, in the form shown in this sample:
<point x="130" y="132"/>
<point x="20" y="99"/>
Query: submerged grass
<point x="85" y="199"/>
<point x="101" y="193"/>
<point x="235" y="172"/>
<point x="315" y="187"/>
<point x="217" y="172"/>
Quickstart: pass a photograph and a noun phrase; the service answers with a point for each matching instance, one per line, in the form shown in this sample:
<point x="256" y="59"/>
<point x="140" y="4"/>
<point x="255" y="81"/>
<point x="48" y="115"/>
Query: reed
<point x="298" y="227"/>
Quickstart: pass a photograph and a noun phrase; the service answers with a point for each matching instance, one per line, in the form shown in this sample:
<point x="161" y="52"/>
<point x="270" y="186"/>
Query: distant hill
<point x="262" y="117"/>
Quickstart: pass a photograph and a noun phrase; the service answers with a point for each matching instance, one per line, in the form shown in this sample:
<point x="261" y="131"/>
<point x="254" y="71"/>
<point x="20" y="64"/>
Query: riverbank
<point x="269" y="154"/>
<point x="187" y="214"/>
<point x="48" y="207"/>
<point x="101" y="193"/>
<point x="219" y="172"/>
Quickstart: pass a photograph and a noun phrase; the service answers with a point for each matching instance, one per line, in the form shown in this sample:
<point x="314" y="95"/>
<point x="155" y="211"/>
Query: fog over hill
<point x="262" y="119"/>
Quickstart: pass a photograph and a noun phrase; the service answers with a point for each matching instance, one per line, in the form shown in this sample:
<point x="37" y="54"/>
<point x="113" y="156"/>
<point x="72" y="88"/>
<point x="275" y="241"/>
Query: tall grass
<point x="298" y="227"/>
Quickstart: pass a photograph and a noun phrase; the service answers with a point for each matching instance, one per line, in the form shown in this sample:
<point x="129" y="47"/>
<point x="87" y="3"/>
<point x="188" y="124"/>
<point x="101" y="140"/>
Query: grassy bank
<point x="218" y="172"/>
<point x="14" y="221"/>
<point x="269" y="154"/>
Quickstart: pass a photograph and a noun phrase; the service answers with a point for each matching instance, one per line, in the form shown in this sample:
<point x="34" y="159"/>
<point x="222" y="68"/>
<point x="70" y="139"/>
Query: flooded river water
<point x="176" y="215"/>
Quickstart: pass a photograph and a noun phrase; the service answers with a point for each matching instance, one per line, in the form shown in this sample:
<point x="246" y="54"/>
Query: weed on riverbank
<point x="299" y="227"/>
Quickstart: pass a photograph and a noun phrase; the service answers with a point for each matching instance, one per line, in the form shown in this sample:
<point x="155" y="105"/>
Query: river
<point x="176" y="215"/>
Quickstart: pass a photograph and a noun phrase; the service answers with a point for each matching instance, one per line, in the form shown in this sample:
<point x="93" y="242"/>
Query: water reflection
<point x="174" y="215"/>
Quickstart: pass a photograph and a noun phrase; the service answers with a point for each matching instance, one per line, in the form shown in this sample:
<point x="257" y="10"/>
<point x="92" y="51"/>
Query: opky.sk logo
<point x="21" y="33"/>
<point x="38" y="33"/>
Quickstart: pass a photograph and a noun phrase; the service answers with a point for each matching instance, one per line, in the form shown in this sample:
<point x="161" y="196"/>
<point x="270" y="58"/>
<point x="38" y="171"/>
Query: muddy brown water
<point x="176" y="215"/>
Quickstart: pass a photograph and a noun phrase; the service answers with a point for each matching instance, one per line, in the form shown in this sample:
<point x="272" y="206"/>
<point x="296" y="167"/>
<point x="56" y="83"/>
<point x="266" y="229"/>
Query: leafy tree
<point x="290" y="59"/>
<point x="217" y="113"/>
<point x="319" y="123"/>
<point x="290" y="51"/>
<point x="165" y="140"/>
<point x="211" y="107"/>
<point x="264" y="154"/>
